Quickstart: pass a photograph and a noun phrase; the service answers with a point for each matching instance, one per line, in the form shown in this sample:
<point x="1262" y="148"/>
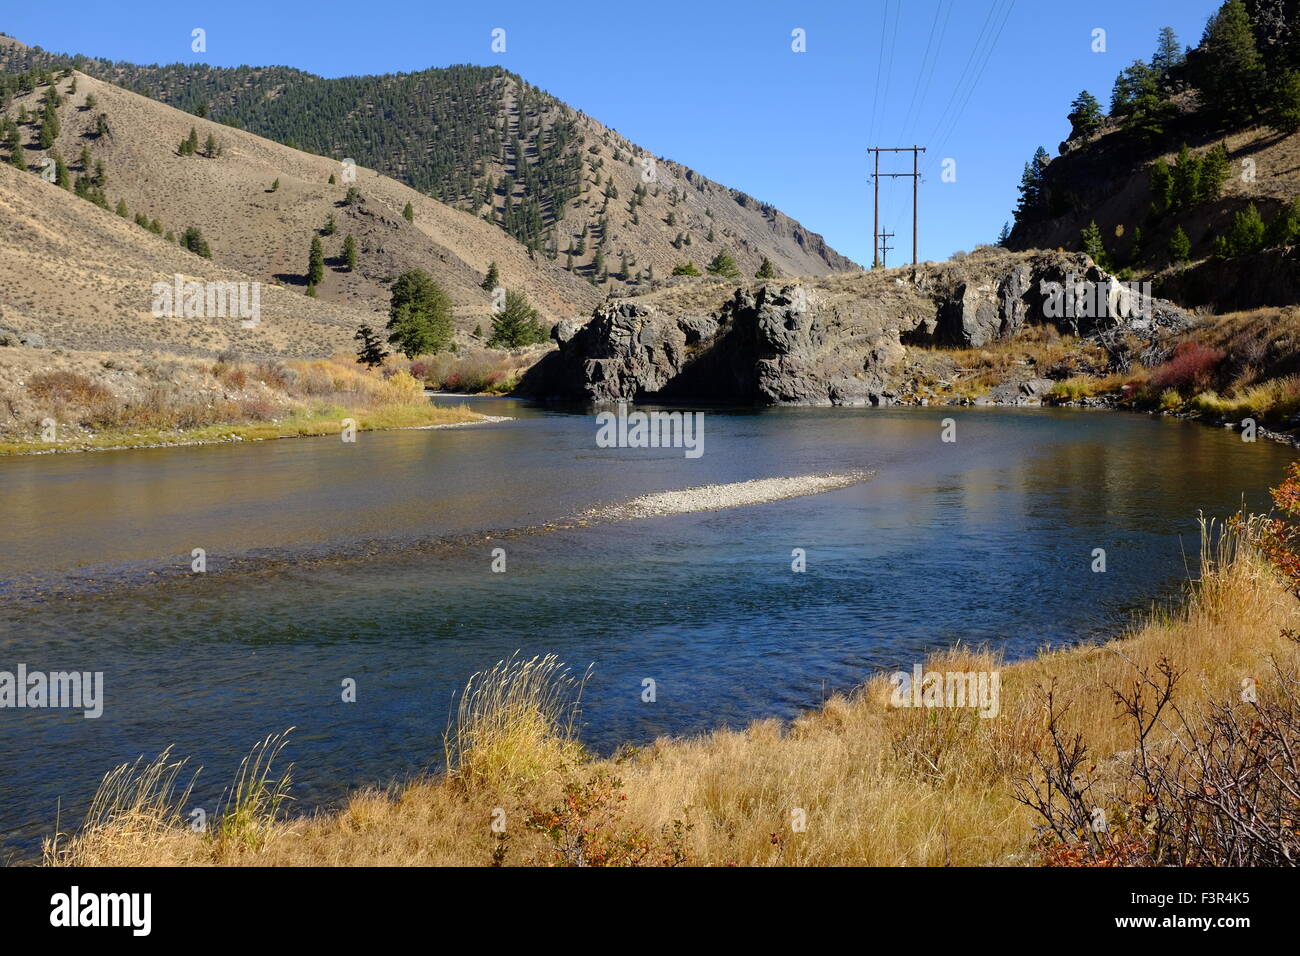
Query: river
<point x="373" y="561"/>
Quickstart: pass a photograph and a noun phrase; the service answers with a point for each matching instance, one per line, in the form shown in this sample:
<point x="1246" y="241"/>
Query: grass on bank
<point x="876" y="784"/>
<point x="226" y="401"/>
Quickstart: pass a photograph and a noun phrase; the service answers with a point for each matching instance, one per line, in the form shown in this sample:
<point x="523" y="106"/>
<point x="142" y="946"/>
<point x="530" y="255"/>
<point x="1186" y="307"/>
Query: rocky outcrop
<point x="839" y="341"/>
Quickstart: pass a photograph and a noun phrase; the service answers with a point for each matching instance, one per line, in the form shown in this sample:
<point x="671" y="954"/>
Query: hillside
<point x="1191" y="176"/>
<point x="267" y="234"/>
<point x="488" y="142"/>
<point x="81" y="277"/>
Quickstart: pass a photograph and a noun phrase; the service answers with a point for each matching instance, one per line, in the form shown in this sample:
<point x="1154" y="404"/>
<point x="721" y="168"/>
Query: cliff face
<point x="833" y="341"/>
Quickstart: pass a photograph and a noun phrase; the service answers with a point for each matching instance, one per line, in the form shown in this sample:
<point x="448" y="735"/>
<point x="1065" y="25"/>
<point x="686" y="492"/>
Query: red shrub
<point x="1190" y="369"/>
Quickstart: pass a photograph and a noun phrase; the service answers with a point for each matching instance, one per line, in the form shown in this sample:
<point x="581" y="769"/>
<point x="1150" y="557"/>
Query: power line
<point x="880" y="60"/>
<point x="915" y="106"/>
<point x="956" y="89"/>
<point x="978" y="76"/>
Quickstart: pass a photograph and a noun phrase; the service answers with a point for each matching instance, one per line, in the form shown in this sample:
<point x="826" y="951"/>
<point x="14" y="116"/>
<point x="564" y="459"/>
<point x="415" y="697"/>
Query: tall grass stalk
<point x="515" y="722"/>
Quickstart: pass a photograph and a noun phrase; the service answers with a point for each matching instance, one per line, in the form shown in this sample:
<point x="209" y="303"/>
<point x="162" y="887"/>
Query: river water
<point x="372" y="561"/>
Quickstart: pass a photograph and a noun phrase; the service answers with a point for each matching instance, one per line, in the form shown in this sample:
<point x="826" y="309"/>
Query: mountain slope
<point x="82" y="278"/>
<point x="267" y="234"/>
<point x="488" y="142"/>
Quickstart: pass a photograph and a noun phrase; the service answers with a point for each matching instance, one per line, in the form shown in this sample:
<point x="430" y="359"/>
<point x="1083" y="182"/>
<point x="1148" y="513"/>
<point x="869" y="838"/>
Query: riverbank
<point x="858" y="781"/>
<point x="69" y="402"/>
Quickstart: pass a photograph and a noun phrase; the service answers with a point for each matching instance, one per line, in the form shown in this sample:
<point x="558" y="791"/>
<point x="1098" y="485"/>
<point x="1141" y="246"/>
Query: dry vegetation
<point x="115" y="400"/>
<point x="878" y="784"/>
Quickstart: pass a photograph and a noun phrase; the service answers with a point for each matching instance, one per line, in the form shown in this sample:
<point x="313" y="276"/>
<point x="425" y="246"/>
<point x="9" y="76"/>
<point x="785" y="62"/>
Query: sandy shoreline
<point x="732" y="495"/>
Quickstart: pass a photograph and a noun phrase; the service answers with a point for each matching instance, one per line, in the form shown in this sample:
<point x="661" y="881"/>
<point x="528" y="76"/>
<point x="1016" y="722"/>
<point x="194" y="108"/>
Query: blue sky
<point x="716" y="85"/>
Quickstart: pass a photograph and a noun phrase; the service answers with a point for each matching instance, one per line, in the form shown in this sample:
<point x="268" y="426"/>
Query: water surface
<point x="372" y="561"/>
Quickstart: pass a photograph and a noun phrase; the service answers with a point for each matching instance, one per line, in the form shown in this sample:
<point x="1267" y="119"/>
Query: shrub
<point x="1190" y="369"/>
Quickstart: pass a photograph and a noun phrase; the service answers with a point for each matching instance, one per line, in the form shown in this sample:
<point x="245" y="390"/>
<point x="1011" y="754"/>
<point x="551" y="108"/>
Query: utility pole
<point x="884" y="249"/>
<point x="914" y="175"/>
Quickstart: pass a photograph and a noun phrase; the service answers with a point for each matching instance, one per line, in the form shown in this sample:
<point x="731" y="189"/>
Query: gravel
<point x="733" y="495"/>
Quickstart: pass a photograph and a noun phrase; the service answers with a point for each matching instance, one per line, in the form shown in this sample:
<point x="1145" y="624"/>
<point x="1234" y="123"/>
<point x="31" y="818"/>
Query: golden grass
<point x="292" y="399"/>
<point x="877" y="784"/>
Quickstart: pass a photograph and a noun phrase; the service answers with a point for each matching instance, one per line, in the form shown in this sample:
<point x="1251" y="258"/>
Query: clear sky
<point x="716" y="85"/>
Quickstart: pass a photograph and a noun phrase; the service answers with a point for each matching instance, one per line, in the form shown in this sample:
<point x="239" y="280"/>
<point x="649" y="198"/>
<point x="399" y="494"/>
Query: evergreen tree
<point x="61" y="176"/>
<point x="686" y="269"/>
<point x="724" y="265"/>
<point x="275" y="186"/>
<point x="372" y="352"/>
<point x="765" y="270"/>
<point x="83" y="161"/>
<point x="1244" y="237"/>
<point x="210" y="147"/>
<point x="1230" y="71"/>
<point x="1213" y="174"/>
<point x="1284" y="230"/>
<point x="419" y="315"/>
<point x="1285" y="102"/>
<point x="1092" y="244"/>
<point x="1169" y="54"/>
<point x="1187" y="178"/>
<point x="315" y="262"/>
<point x="350" y="253"/>
<point x="190" y="144"/>
<point x="192" y="239"/>
<point x="330" y="226"/>
<point x="14" y="142"/>
<point x="1085" y="116"/>
<point x="121" y="209"/>
<point x="1004" y="236"/>
<point x="493" y="278"/>
<point x="1180" y="247"/>
<point x="1161" y="186"/>
<point x="409" y="213"/>
<point x="517" y="323"/>
<point x="1031" y="186"/>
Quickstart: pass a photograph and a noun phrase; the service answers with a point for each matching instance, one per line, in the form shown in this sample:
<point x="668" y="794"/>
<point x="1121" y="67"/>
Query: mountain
<point x="488" y="142"/>
<point x="267" y="233"/>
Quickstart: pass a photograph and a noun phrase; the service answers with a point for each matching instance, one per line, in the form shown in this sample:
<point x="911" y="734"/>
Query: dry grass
<point x="124" y="402"/>
<point x="878" y="784"/>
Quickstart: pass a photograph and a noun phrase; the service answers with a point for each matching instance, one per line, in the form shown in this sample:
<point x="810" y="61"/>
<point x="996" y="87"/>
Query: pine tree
<point x="192" y="239"/>
<point x="1085" y="116"/>
<point x="1004" y="236"/>
<point x="190" y="144"/>
<point x="724" y="265"/>
<point x="372" y="352"/>
<point x="1231" y="73"/>
<point x="686" y="269"/>
<point x="1187" y="178"/>
<point x="1244" y="237"/>
<point x="350" y="253"/>
<point x="1180" y="247"/>
<point x="1031" y="186"/>
<point x="210" y="147"/>
<point x="14" y="142"/>
<point x="409" y="213"/>
<point x="765" y="270"/>
<point x="275" y="186"/>
<point x="419" y="315"/>
<point x="493" y="278"/>
<point x="1285" y="102"/>
<point x="121" y="209"/>
<point x="1092" y="244"/>
<point x="1169" y="53"/>
<point x="1284" y="230"/>
<point x="517" y="324"/>
<point x="330" y="226"/>
<point x="61" y="176"/>
<point x="315" y="262"/>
